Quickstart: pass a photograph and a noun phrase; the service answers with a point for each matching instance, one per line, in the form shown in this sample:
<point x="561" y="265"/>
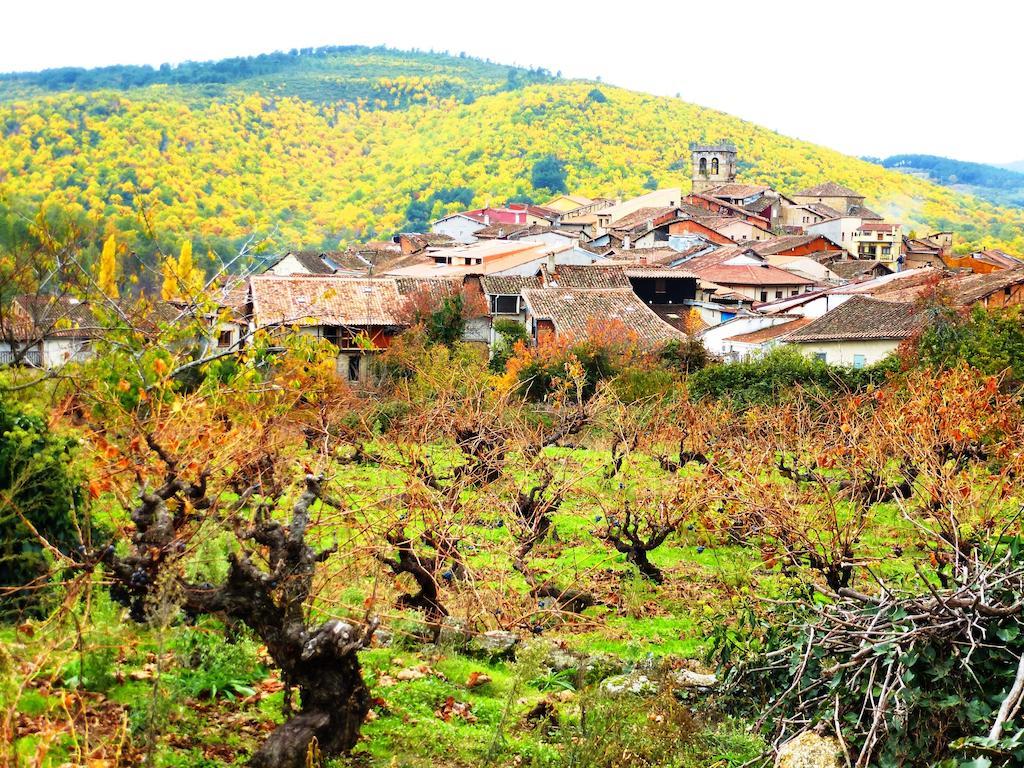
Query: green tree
<point x="549" y="173"/>
<point x="38" y="492"/>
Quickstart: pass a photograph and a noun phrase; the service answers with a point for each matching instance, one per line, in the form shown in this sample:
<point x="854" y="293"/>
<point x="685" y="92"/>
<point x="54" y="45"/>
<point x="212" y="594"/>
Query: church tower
<point x="712" y="165"/>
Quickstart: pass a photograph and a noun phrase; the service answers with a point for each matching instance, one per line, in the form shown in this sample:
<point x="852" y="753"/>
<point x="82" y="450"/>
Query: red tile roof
<point x="765" y="274"/>
<point x="312" y="300"/>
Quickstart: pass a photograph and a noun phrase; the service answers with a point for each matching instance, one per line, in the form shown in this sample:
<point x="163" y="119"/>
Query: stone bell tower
<point x="712" y="165"/>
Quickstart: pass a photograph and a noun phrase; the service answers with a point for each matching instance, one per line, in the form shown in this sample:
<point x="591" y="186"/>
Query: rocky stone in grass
<point x="453" y="633"/>
<point x="687" y="678"/>
<point x="633" y="683"/>
<point x="809" y="750"/>
<point x="495" y="644"/>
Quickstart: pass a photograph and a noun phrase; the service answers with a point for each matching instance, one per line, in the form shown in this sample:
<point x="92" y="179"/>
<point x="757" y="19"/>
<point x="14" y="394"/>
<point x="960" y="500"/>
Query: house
<point x="659" y="198"/>
<point x="304" y="263"/>
<point x="359" y="316"/>
<point x="714" y="338"/>
<point x="567" y="203"/>
<point x="983" y="262"/>
<point x="753" y="344"/>
<point x="818" y="247"/>
<point x="835" y="196"/>
<point x="741" y="270"/>
<point x="879" y="241"/>
<point x="46" y="331"/>
<point x="992" y="290"/>
<point x="463" y="226"/>
<point x="579" y="312"/>
<point x="504" y="297"/>
<point x="496" y="257"/>
<point x="411" y="243"/>
<point x="805" y="266"/>
<point x="859" y="269"/>
<point x="859" y="332"/>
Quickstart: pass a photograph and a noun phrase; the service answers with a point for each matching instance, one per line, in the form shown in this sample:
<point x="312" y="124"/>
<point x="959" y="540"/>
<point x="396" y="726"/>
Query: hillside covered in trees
<point x="324" y="147"/>
<point x="1000" y="185"/>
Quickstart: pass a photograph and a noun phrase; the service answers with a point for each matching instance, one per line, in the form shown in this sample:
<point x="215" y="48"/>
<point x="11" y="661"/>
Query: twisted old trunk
<point x="320" y="661"/>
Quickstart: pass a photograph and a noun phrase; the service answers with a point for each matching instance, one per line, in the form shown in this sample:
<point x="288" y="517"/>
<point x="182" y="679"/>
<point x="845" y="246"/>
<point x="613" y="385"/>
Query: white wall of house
<point x="744" y="232"/>
<point x="569" y="256"/>
<point x="51" y="353"/>
<point x="857" y="353"/>
<point x="816" y="307"/>
<point x="289" y="265"/>
<point x="715" y="339"/>
<point x="459" y="228"/>
<point x="839" y="231"/>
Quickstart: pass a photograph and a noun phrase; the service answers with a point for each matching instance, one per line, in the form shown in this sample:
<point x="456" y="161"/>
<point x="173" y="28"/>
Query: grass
<point x="708" y="580"/>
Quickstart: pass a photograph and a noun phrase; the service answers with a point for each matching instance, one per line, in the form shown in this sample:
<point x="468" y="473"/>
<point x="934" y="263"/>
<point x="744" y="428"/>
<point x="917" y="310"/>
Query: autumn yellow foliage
<point x="215" y="170"/>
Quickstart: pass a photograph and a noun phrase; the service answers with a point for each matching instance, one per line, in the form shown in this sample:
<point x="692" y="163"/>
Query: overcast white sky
<point x="864" y="77"/>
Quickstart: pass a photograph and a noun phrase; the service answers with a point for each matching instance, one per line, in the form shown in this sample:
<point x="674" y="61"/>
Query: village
<point x="741" y="267"/>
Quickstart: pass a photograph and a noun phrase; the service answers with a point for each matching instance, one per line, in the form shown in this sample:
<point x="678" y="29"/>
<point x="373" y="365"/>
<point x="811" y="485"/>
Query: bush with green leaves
<point x="990" y="340"/>
<point x="212" y="664"/>
<point x="509" y="333"/>
<point x="40" y="491"/>
<point x="774" y="378"/>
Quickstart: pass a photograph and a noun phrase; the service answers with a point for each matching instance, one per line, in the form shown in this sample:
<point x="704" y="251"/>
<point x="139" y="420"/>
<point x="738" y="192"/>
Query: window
<point x="505" y="305"/>
<point x="764" y="295"/>
<point x="703" y="166"/>
<point x="224" y="339"/>
<point x="353" y="367"/>
<point x="778" y="294"/>
<point x="859" y="361"/>
<point x="823" y="356"/>
<point x="714" y="166"/>
<point x="330" y="333"/>
<point x="660" y="287"/>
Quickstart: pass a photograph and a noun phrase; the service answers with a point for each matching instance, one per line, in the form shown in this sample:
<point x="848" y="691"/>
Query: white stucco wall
<point x="843" y="352"/>
<point x="459" y="228"/>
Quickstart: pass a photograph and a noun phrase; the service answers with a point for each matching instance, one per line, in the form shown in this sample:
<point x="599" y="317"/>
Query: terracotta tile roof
<point x="771" y="332"/>
<point x="854" y="268"/>
<point x="824" y="210"/>
<point x="438" y="286"/>
<point x="998" y="259"/>
<point x="864" y="213"/>
<point x="828" y="189"/>
<point x="862" y="318"/>
<point x="784" y="243"/>
<point x="574" y="311"/>
<point x="37" y="316"/>
<point x="311" y="300"/>
<point x="967" y="289"/>
<point x="662" y="273"/>
<point x="764" y="274"/>
<point x="736" y="190"/>
<point x="877" y="226"/>
<point x="651" y="256"/>
<point x="508" y="285"/>
<point x="580" y="276"/>
<point x="642" y="216"/>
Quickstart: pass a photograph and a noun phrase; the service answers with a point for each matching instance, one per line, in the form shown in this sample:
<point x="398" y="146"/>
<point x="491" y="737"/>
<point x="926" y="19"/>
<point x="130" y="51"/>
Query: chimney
<point x="643" y="260"/>
<point x="551" y="263"/>
<point x="517" y="217"/>
<point x="625" y="243"/>
<point x="487" y="219"/>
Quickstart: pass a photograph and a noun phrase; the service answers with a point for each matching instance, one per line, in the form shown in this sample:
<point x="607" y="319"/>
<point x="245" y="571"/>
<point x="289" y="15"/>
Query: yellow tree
<point x="181" y="278"/>
<point x="107" y="279"/>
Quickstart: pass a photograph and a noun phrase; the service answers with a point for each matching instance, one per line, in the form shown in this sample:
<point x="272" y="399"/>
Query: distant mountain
<point x="1017" y="165"/>
<point x="322" y="147"/>
<point x="1002" y="185"/>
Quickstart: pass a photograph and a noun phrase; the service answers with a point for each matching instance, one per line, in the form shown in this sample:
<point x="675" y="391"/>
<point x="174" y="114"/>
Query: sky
<point x="866" y="77"/>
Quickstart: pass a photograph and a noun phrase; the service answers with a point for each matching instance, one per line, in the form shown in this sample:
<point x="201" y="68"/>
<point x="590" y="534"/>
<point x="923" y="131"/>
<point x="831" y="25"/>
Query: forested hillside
<point x="317" y="148"/>
<point x="1003" y="186"/>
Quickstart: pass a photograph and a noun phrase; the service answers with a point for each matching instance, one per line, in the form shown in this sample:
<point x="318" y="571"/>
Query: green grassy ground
<point x="426" y="711"/>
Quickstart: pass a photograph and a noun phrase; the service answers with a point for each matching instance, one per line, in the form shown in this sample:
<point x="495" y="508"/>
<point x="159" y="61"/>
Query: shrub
<point x="510" y="333"/>
<point x="774" y="377"/>
<point x="40" y="489"/>
<point x="214" y="666"/>
<point x="548" y="173"/>
<point x="990" y="340"/>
